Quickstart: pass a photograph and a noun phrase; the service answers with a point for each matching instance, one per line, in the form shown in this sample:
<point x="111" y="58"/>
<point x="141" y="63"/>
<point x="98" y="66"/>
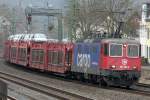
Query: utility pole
<point x="72" y="19"/>
<point x="30" y="11"/>
<point x="48" y="18"/>
<point x="13" y="27"/>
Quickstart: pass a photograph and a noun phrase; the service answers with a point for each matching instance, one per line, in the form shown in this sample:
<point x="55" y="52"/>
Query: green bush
<point x="144" y="61"/>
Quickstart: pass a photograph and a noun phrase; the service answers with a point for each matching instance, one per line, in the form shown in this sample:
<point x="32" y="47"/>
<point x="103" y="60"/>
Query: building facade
<point x="145" y="31"/>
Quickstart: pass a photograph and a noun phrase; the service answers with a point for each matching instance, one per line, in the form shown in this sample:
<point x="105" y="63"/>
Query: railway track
<point x="10" y="98"/>
<point x="143" y="89"/>
<point x="143" y="85"/>
<point x="44" y="89"/>
<point x="132" y="90"/>
<point x="139" y="89"/>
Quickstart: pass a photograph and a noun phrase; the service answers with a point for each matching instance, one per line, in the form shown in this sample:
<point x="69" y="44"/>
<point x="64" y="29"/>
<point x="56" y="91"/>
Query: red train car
<point x="26" y="50"/>
<point x="7" y="50"/>
<point x="14" y="51"/>
<point x="37" y="55"/>
<point x="59" y="57"/>
<point x="22" y="58"/>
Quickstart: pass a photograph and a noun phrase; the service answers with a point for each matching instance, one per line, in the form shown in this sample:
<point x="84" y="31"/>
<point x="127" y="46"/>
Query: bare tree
<point x="85" y="17"/>
<point x="132" y="24"/>
<point x="119" y="12"/>
<point x="89" y="15"/>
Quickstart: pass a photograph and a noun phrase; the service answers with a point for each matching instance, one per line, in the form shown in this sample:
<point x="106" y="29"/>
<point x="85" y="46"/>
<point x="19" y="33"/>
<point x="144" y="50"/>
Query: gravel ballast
<point x="89" y="91"/>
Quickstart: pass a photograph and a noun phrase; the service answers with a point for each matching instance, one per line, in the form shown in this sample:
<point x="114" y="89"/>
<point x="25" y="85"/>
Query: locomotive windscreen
<point x="116" y="50"/>
<point x="133" y="50"/>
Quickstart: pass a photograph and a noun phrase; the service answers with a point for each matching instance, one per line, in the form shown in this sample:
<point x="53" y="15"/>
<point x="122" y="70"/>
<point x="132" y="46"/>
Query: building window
<point x="149" y="52"/>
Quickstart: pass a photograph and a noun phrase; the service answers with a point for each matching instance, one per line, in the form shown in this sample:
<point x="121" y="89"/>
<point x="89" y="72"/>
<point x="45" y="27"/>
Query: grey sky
<point x="41" y="3"/>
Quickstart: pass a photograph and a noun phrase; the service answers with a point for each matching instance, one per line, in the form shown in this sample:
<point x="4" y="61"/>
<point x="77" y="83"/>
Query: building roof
<point x="4" y="20"/>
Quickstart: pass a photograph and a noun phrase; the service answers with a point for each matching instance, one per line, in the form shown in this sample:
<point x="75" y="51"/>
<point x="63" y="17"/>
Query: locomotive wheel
<point x="73" y="76"/>
<point x="102" y="83"/>
<point x="78" y="77"/>
<point x="82" y="78"/>
<point x="128" y="87"/>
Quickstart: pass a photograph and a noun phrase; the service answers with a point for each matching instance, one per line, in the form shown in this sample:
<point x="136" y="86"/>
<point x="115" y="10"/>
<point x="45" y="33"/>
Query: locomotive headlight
<point x="134" y="67"/>
<point x="113" y="66"/>
<point x="121" y="66"/>
<point x="124" y="45"/>
<point x="125" y="66"/>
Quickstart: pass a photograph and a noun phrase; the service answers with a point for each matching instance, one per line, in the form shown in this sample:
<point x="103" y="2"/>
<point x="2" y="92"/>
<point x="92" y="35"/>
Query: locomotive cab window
<point x="115" y="50"/>
<point x="133" y="50"/>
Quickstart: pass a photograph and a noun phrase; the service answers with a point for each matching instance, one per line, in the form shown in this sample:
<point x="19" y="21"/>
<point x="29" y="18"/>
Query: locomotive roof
<point x="110" y="40"/>
<point x="120" y="40"/>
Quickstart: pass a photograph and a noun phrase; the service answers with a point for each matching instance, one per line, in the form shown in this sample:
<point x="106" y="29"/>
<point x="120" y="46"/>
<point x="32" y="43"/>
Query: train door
<point x="68" y="58"/>
<point x="104" y="54"/>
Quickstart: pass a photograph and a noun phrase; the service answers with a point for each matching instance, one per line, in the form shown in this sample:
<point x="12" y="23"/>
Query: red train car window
<point x="60" y="57"/>
<point x="22" y="54"/>
<point x="33" y="55"/>
<point x="50" y="57"/>
<point x="68" y="57"/>
<point x="56" y="57"/>
<point x="37" y="56"/>
<point x="41" y="56"/>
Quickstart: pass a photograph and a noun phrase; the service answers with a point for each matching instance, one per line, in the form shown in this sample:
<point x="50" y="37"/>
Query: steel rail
<point x="48" y="90"/>
<point x="10" y="98"/>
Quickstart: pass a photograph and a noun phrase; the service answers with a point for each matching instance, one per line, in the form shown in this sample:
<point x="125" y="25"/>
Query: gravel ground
<point x="22" y="93"/>
<point x="92" y="92"/>
<point x="145" y="78"/>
